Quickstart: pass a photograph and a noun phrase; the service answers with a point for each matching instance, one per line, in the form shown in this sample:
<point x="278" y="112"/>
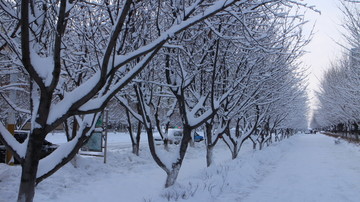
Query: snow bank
<point x="302" y="168"/>
<point x="232" y="179"/>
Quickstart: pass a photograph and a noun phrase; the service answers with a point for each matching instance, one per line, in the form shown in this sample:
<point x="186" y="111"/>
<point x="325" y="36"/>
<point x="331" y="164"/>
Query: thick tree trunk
<point x="136" y="146"/>
<point x="29" y="169"/>
<point x="254" y="143"/>
<point x="209" y="155"/>
<point x="261" y="143"/>
<point x="234" y="155"/>
<point x="74" y="130"/>
<point x="135" y="149"/>
<point x="209" y="146"/>
<point x="153" y="150"/>
<point x="174" y="171"/>
<point x="235" y="152"/>
<point x="134" y="141"/>
<point x="172" y="175"/>
<point x="269" y="139"/>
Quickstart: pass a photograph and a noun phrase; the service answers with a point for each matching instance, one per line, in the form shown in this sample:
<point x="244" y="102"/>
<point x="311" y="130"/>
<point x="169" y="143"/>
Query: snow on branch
<point x="62" y="153"/>
<point x="59" y="109"/>
<point x="10" y="141"/>
<point x="121" y="60"/>
<point x="43" y="66"/>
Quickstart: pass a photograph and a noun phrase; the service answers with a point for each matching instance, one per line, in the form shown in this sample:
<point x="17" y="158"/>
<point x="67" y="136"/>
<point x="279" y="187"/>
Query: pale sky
<point x="323" y="49"/>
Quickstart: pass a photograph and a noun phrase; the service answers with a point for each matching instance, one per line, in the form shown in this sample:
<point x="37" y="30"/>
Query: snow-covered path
<point x="314" y="169"/>
<point x="301" y="168"/>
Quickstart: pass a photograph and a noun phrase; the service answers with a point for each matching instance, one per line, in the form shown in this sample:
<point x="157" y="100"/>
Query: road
<point x="313" y="169"/>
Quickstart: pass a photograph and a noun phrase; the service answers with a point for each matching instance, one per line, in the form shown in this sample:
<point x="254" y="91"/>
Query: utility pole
<point x="11" y="117"/>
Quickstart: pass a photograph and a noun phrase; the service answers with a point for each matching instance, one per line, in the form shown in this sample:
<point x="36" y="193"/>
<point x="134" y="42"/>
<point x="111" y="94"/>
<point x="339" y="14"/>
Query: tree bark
<point x="235" y="152"/>
<point x="209" y="155"/>
<point x="29" y="168"/>
<point x="172" y="175"/>
<point x="209" y="147"/>
<point x="254" y="143"/>
<point x="136" y="145"/>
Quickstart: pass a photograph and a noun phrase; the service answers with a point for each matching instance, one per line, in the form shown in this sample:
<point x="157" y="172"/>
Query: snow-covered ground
<point x="302" y="168"/>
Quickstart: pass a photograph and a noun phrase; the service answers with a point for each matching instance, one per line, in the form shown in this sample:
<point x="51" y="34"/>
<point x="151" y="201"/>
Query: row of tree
<point x="338" y="106"/>
<point x="228" y="67"/>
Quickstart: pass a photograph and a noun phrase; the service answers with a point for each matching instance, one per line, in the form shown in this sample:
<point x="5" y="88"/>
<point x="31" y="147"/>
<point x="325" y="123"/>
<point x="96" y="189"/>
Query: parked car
<point x="175" y="135"/>
<point x="21" y="135"/>
<point x="157" y="138"/>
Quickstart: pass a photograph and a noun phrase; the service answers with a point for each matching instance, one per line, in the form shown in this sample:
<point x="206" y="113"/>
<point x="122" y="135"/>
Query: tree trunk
<point x="209" y="146"/>
<point x="135" y="149"/>
<point x="254" y="143"/>
<point x="269" y="139"/>
<point x="235" y="152"/>
<point x="136" y="146"/>
<point x="134" y="141"/>
<point x="29" y="169"/>
<point x="261" y="143"/>
<point x="74" y="129"/>
<point x="172" y="175"/>
<point x="209" y="155"/>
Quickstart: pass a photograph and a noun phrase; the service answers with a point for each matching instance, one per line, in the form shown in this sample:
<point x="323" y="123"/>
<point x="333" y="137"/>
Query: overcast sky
<point x="323" y="49"/>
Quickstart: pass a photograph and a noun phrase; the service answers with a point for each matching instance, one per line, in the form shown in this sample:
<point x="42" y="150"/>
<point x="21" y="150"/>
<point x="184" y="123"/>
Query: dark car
<point x="21" y="135"/>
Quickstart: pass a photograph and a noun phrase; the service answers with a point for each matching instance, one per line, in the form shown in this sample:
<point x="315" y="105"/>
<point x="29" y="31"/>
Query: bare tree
<point x="338" y="108"/>
<point x="43" y="36"/>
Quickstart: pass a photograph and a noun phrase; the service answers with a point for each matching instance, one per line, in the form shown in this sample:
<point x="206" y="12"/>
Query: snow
<point x="44" y="67"/>
<point x="301" y="168"/>
<point x="51" y="161"/>
<point x="315" y="170"/>
<point x="59" y="109"/>
<point x="19" y="148"/>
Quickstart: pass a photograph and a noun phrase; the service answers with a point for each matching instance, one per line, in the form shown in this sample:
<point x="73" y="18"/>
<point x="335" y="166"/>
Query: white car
<point x="175" y="135"/>
<point x="157" y="138"/>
